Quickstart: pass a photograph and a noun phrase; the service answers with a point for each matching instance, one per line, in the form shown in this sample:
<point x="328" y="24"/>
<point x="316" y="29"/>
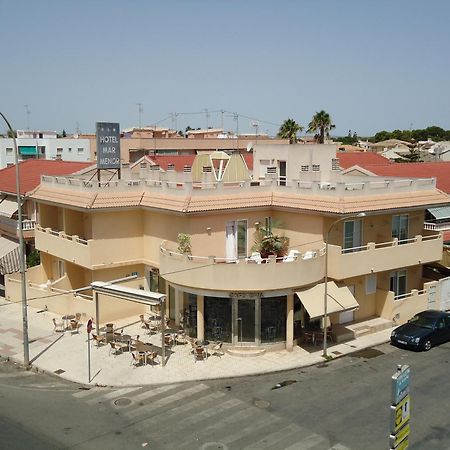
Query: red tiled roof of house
<point x="347" y="160"/>
<point x="439" y="170"/>
<point x="31" y="170"/>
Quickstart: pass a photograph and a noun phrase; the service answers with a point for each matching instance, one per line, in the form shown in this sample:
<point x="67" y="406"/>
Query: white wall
<point x="69" y="148"/>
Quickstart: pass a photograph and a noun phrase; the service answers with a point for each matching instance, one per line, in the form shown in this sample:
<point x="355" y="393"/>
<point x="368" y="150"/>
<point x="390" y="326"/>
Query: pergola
<point x="132" y="295"/>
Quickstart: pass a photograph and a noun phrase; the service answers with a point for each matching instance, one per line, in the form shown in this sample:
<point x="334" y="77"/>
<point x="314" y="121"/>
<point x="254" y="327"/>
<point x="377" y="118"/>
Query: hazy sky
<point x="372" y="64"/>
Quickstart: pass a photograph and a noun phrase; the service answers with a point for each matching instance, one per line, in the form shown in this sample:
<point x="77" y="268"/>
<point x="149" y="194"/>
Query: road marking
<point x="271" y="439"/>
<point x="166" y="400"/>
<point x="153" y="392"/>
<point x="252" y="428"/>
<point x="113" y="394"/>
<point x="309" y="442"/>
<point x="341" y="447"/>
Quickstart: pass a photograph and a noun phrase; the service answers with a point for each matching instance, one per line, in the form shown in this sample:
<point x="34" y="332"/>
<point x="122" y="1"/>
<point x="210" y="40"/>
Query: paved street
<point x="342" y="405"/>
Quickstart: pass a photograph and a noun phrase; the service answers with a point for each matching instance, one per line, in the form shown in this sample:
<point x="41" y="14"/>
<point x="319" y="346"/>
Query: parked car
<point x="423" y="331"/>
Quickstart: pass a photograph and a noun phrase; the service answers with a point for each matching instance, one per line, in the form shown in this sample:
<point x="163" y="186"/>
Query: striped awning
<point x="440" y="213"/>
<point x="9" y="256"/>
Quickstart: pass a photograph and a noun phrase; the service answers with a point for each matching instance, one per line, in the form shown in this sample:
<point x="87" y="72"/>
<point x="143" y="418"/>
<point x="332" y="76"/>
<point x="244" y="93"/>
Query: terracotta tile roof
<point x="439" y="170"/>
<point x="363" y="159"/>
<point x="117" y="200"/>
<point x="30" y="172"/>
<point x="65" y="196"/>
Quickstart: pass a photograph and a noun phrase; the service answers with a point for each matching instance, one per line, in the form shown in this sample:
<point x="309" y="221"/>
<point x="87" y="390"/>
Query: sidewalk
<point x="65" y="354"/>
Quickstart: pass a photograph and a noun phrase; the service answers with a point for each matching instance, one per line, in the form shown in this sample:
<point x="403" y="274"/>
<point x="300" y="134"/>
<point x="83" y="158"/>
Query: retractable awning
<point x="339" y="299"/>
<point x="9" y="256"/>
<point x="440" y="213"/>
<point x="8" y="207"/>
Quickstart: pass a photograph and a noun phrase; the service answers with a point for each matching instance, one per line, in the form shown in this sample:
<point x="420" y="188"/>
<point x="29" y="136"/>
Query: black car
<point x="423" y="331"/>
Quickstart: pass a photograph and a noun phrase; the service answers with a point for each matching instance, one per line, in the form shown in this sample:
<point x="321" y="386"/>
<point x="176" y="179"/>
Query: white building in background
<point x="44" y="145"/>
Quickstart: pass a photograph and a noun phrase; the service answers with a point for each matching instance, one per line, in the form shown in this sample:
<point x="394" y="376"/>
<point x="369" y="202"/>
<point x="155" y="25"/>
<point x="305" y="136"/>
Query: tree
<point x="12" y="134"/>
<point x="321" y="124"/>
<point x="289" y="129"/>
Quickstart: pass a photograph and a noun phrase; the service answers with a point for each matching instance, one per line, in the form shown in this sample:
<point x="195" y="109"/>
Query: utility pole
<point x="26" y="350"/>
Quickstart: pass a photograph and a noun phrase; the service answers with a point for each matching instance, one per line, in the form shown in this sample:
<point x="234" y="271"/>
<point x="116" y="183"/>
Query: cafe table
<point x="124" y="339"/>
<point x="66" y="319"/>
<point x="203" y="343"/>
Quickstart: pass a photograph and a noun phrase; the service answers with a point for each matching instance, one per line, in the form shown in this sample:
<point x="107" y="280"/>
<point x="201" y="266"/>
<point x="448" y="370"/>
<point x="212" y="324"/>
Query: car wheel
<point x="427" y="345"/>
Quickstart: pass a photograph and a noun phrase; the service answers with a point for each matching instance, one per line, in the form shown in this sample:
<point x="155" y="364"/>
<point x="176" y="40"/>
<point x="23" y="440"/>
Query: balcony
<point x="241" y="275"/>
<point x="91" y="254"/>
<point x="373" y="258"/>
<point x="11" y="227"/>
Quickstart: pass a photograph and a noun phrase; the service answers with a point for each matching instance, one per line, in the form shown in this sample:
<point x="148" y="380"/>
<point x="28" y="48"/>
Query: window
<point x="304" y="168"/>
<point x="398" y="283"/>
<point x="371" y="283"/>
<point x="59" y="151"/>
<point x="352" y="236"/>
<point x="9" y="150"/>
<point x="400" y="228"/>
<point x="316" y="167"/>
<point x="236" y="239"/>
<point x="61" y="268"/>
<point x="273" y="319"/>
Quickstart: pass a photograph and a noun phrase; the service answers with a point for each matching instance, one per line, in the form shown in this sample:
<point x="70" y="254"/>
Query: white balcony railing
<point x="436" y="226"/>
<point x="14" y="223"/>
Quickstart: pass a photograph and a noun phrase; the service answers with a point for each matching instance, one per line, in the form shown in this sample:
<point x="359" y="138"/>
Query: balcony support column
<point x="200" y="317"/>
<point x="290" y="323"/>
<point x="178" y="305"/>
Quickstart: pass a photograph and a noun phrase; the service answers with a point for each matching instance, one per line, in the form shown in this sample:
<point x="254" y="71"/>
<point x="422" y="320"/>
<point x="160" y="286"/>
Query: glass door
<point x="400" y="227"/>
<point x="245" y="322"/>
<point x="282" y="167"/>
<point x="352" y="235"/>
<point x="236" y="239"/>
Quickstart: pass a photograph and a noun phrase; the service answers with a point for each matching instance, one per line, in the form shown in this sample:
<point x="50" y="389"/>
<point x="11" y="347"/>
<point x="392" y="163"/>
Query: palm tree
<point x="320" y="124"/>
<point x="289" y="129"/>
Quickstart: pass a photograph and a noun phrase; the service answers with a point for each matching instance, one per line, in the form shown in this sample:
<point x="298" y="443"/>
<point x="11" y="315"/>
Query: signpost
<point x="400" y="409"/>
<point x="108" y="145"/>
<point x="89" y="330"/>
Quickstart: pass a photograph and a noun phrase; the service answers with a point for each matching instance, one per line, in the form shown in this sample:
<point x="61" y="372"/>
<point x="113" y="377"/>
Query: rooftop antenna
<point x="140" y="111"/>
<point x="173" y="117"/>
<point x="221" y="118"/>
<point x="27" y="112"/>
<point x="255" y="125"/>
<point x="77" y="124"/>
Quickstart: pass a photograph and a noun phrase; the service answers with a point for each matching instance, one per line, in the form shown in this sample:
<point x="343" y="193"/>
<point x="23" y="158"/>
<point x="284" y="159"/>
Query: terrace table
<point x="66" y="319"/>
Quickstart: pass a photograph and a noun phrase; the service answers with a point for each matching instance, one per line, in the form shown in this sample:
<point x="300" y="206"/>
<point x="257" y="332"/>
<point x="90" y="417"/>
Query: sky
<point x="372" y="65"/>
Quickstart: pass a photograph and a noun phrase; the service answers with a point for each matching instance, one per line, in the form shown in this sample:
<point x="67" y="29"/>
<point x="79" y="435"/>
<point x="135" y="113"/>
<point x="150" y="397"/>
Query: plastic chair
<point x="58" y="326"/>
<point x="200" y="353"/>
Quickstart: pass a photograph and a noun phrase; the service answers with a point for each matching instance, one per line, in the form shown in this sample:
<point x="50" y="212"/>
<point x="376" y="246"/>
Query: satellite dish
<point x="250" y="146"/>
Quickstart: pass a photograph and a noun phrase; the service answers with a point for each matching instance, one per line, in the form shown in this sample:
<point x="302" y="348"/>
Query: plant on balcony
<point x="34" y="258"/>
<point x="184" y="243"/>
<point x="267" y="243"/>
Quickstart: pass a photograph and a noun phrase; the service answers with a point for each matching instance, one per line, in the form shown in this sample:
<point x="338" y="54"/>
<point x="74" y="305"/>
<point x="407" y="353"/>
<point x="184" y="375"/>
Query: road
<point x="340" y="405"/>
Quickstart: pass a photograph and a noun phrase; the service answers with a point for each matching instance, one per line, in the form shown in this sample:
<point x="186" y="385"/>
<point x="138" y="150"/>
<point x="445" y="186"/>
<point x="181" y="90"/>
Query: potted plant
<point x="184" y="243"/>
<point x="267" y="243"/>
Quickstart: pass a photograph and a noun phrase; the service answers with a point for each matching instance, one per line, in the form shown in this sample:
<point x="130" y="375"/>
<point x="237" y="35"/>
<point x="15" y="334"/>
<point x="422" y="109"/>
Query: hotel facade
<point x="223" y="287"/>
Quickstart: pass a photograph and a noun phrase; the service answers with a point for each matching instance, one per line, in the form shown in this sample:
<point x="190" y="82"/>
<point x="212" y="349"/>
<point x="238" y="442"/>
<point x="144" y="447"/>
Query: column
<point x="290" y="322"/>
<point x="178" y="305"/>
<point x="200" y="317"/>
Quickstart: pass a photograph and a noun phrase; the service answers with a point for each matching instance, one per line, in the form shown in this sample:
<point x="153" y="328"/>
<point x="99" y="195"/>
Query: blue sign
<point x="400" y="384"/>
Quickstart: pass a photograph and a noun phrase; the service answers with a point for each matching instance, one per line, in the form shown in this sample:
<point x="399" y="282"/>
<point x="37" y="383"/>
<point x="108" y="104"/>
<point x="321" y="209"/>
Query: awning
<point x="440" y="213"/>
<point x="28" y="150"/>
<point x="9" y="256"/>
<point x="8" y="207"/>
<point x="339" y="299"/>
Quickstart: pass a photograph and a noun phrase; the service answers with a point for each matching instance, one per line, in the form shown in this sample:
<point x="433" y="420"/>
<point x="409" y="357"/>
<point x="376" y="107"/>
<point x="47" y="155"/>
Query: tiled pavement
<point x="66" y="354"/>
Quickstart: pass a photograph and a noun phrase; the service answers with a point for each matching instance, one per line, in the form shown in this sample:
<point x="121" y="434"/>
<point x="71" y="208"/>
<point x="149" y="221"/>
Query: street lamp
<point x="325" y="296"/>
<point x="26" y="353"/>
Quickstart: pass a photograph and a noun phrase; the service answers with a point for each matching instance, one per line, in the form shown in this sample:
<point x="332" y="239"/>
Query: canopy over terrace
<point x="132" y="295"/>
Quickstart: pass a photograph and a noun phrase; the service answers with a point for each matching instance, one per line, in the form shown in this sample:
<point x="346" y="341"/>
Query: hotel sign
<point x="108" y="145"/>
<point x="400" y="409"/>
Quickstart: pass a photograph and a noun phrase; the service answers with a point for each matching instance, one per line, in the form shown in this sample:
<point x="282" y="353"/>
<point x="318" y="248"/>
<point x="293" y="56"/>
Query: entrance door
<point x="246" y="321"/>
<point x="282" y="171"/>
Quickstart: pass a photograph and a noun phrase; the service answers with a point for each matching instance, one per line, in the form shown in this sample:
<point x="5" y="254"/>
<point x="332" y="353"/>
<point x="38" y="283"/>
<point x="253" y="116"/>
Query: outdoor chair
<point x="58" y="326"/>
<point x="292" y="256"/>
<point x="149" y="328"/>
<point x="116" y="348"/>
<point x="78" y="317"/>
<point x="151" y="357"/>
<point x="74" y="326"/>
<point x="200" y="353"/>
<point x="217" y="349"/>
<point x="255" y="258"/>
<point x="193" y="346"/>
<point x="137" y="359"/>
<point x="99" y="340"/>
<point x="168" y="340"/>
<point x="180" y="338"/>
